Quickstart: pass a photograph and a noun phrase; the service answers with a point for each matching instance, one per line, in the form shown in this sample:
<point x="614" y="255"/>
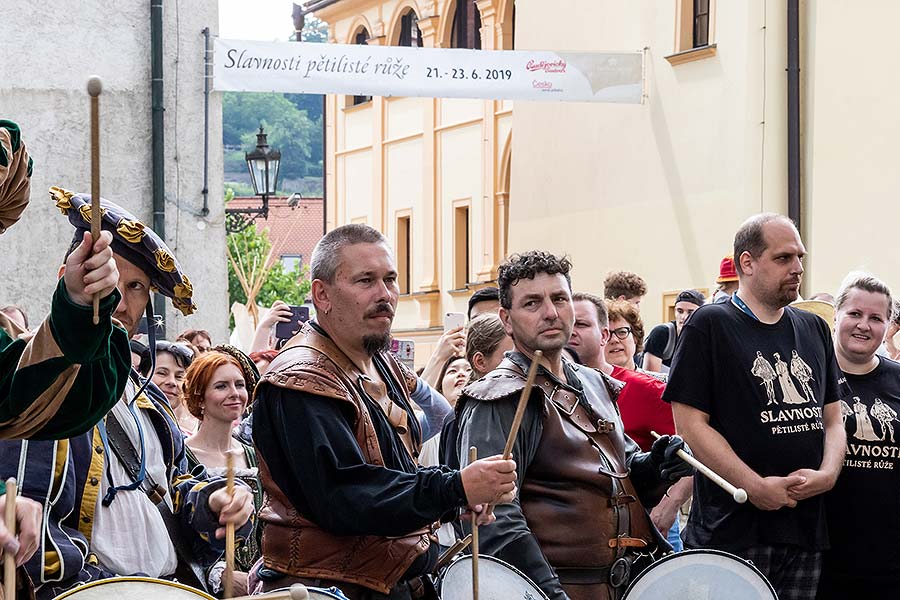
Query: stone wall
<point x="51" y="48"/>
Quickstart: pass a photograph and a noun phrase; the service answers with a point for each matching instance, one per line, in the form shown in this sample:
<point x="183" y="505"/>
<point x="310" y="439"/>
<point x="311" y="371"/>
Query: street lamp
<point x="263" y="163"/>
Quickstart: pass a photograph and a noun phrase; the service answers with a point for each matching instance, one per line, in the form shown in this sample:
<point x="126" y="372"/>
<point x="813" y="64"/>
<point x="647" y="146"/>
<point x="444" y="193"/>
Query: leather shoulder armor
<point x="503" y="381"/>
<point x="306" y="369"/>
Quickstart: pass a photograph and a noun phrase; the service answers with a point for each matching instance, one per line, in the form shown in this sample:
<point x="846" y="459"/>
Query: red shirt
<point x="642" y="407"/>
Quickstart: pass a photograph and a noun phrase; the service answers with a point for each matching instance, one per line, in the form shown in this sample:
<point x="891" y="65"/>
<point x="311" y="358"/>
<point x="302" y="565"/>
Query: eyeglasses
<point x="621" y="332"/>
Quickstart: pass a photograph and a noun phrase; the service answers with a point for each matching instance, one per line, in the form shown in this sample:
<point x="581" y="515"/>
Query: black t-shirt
<point x="764" y="388"/>
<point x="657" y="341"/>
<point x="863" y="509"/>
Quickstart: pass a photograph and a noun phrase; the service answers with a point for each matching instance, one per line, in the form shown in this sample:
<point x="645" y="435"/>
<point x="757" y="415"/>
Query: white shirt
<point x="129" y="536"/>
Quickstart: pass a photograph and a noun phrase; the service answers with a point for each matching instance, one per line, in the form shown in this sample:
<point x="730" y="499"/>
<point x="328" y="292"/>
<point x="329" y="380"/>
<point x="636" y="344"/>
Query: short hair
<point x="487" y="294"/>
<point x="750" y="236"/>
<point x="526" y="266"/>
<point x="859" y="280"/>
<point x="15" y="307"/>
<point x="198" y="376"/>
<point x="599" y="304"/>
<point x="182" y="354"/>
<point x="190" y="336"/>
<point x="326" y="256"/>
<point x="483" y="334"/>
<point x="624" y="283"/>
<point x="625" y="310"/>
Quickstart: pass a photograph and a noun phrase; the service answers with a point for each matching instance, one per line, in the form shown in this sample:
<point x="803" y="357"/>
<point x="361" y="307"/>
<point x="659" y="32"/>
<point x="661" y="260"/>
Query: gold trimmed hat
<point x="15" y="174"/>
<point x="133" y="240"/>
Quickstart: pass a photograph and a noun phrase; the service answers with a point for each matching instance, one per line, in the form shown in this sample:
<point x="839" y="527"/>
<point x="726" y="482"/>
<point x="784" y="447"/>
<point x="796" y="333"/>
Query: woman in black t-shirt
<point x="863" y="508"/>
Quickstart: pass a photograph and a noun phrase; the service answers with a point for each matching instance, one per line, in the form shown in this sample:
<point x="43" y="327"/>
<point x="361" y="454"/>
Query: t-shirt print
<point x="788" y="386"/>
<point x="869" y="422"/>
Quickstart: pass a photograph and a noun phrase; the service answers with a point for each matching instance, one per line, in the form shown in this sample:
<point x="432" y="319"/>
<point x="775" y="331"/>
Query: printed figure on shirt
<point x="884" y="414"/>
<point x="864" y="430"/>
<point x="763" y="370"/>
<point x="789" y="393"/>
<point x="803" y="373"/>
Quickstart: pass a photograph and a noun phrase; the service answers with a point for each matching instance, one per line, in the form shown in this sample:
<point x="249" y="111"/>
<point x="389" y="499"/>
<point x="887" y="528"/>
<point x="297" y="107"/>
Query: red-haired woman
<point x="217" y="387"/>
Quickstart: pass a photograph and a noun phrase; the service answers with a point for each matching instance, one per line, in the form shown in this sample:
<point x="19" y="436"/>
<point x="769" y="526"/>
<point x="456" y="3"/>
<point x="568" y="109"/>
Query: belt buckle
<point x="620" y="572"/>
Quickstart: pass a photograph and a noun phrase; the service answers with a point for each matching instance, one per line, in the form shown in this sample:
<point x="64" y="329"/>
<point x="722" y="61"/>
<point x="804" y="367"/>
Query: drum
<point x="496" y="581"/>
<point x="315" y="593"/>
<point x="134" y="588"/>
<point x="701" y="575"/>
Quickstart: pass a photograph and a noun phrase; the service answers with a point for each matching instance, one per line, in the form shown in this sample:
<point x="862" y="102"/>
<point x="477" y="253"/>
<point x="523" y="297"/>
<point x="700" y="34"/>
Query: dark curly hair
<point x="525" y="266"/>
<point x="624" y="283"/>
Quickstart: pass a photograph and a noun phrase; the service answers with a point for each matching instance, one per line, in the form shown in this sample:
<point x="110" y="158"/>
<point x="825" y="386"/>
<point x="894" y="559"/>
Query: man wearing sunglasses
<point x="579" y="528"/>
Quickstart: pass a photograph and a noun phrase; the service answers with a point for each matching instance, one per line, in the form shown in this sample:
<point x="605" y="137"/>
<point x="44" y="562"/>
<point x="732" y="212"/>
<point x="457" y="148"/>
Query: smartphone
<point x="287" y="330"/>
<point x="404" y="351"/>
<point x="452" y="320"/>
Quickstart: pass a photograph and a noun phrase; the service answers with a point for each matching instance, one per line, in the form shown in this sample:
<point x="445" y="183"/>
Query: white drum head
<point x="701" y="575"/>
<point x="134" y="588"/>
<point x="496" y="581"/>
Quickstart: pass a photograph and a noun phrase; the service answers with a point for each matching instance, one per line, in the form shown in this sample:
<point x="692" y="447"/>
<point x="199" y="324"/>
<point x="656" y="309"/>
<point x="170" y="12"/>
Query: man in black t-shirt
<point x="660" y="345"/>
<point x="774" y="429"/>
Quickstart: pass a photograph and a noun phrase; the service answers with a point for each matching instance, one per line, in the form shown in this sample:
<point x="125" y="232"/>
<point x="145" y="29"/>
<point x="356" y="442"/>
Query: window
<point x="291" y="261"/>
<point x="466" y="30"/>
<point x="361" y="39"/>
<point x="410" y="36"/>
<point x="460" y="247"/>
<point x="701" y="23"/>
<point x="695" y="31"/>
<point x="403" y="257"/>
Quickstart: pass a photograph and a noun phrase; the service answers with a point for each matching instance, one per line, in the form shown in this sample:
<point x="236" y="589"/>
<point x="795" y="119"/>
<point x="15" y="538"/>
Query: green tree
<point x="252" y="247"/>
<point x="289" y="129"/>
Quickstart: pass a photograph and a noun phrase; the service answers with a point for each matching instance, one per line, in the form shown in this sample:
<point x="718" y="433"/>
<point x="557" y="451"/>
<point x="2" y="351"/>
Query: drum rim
<point x="100" y="582"/>
<point x="496" y="560"/>
<point x="674" y="555"/>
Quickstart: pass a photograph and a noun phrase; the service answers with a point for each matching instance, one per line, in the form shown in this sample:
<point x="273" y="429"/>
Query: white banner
<point x="245" y="66"/>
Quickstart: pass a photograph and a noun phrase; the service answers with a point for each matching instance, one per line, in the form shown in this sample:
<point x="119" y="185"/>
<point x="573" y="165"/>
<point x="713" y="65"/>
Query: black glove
<point x="663" y="454"/>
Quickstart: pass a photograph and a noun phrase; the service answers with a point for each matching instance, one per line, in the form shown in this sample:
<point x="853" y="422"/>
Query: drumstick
<point x="295" y="592"/>
<point x="229" y="529"/>
<point x="739" y="494"/>
<point x="523" y="402"/>
<point x="9" y="559"/>
<point x="473" y="456"/>
<point x="94" y="87"/>
<point x="452" y="551"/>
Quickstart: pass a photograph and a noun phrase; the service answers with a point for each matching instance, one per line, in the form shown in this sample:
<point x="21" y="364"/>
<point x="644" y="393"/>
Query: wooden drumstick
<point x="229" y="530"/>
<point x="739" y="494"/>
<point x="295" y="592"/>
<point x="9" y="559"/>
<point x="94" y="87"/>
<point x="523" y="402"/>
<point x="473" y="456"/>
<point x="452" y="551"/>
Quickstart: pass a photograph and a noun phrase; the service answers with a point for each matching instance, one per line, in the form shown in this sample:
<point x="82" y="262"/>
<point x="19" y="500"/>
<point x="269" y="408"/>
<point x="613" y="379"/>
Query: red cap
<point x="727" y="272"/>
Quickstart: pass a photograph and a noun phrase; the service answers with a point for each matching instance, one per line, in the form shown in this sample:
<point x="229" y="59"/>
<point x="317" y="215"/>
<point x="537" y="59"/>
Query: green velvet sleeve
<point x="34" y="375"/>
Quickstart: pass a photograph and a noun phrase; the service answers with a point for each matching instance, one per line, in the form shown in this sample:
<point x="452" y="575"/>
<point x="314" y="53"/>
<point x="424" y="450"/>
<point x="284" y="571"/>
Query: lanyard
<point x="743" y="306"/>
<point x="142" y="472"/>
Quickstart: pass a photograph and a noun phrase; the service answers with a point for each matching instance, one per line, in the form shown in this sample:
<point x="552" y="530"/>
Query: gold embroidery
<point x="184" y="289"/>
<point x="185" y="306"/>
<point x="164" y="260"/>
<point x="85" y="210"/>
<point x="62" y="197"/>
<point x="132" y="231"/>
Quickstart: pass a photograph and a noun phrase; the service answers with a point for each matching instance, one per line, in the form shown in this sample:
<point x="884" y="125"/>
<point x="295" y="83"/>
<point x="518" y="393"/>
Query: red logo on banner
<point x="556" y="66"/>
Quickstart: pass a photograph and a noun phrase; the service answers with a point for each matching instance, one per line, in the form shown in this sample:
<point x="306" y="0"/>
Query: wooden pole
<point x="9" y="559"/>
<point x="94" y="88"/>
<point x="473" y="456"/>
<point x="229" y="531"/>
<point x="523" y="402"/>
<point x="739" y="494"/>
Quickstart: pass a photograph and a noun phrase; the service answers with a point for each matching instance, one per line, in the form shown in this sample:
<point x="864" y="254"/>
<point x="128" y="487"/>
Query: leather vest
<point x="576" y="495"/>
<point x="291" y="543"/>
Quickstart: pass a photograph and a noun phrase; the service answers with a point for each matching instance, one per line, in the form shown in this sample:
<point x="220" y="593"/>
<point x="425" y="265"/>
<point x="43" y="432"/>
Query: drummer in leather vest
<point x="337" y="439"/>
<point x="578" y="528"/>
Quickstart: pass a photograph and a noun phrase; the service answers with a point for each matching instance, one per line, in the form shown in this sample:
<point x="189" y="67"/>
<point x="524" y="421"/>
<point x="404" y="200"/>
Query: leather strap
<point x="188" y="571"/>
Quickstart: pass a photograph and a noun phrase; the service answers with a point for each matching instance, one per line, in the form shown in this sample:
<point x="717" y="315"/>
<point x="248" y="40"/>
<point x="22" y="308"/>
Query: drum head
<point x="134" y="588"/>
<point x="701" y="575"/>
<point x="496" y="581"/>
<point x="331" y="593"/>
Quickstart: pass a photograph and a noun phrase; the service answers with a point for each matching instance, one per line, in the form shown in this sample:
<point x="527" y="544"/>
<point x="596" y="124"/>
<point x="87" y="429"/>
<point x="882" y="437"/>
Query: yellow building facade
<point x="432" y="174"/>
<point x="657" y="188"/>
